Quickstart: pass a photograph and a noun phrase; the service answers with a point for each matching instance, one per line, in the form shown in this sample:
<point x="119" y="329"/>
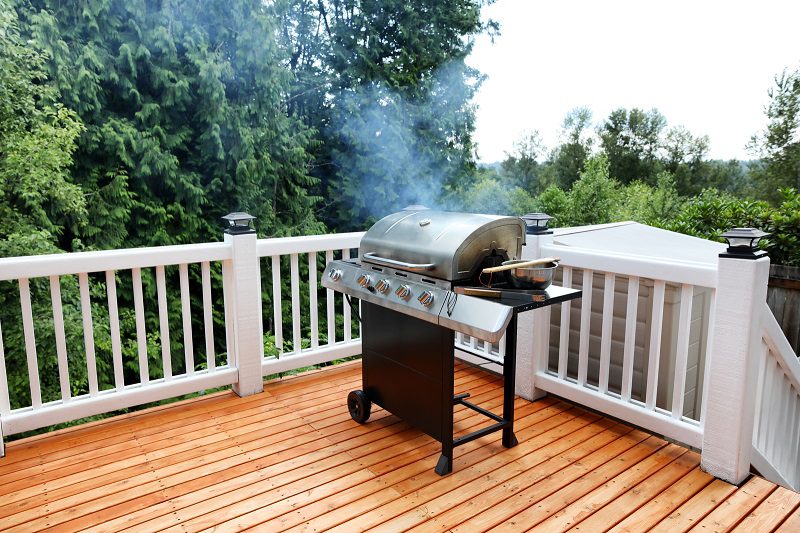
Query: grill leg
<point x="445" y="464"/>
<point x="509" y="381"/>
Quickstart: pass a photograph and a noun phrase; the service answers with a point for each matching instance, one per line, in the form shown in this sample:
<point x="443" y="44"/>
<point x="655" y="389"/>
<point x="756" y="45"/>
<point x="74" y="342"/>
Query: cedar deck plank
<point x="336" y="508"/>
<point x="695" y="508"/>
<point x="623" y="505"/>
<point x="729" y="512"/>
<point x="287" y="498"/>
<point x="588" y="455"/>
<point x="291" y="457"/>
<point x="791" y="524"/>
<point x="652" y="512"/>
<point x="771" y="512"/>
<point x="271" y="510"/>
<point x="417" y="507"/>
<point x="504" y="481"/>
<point x="557" y="504"/>
<point x="421" y="488"/>
<point x="611" y="489"/>
<point x="356" y="446"/>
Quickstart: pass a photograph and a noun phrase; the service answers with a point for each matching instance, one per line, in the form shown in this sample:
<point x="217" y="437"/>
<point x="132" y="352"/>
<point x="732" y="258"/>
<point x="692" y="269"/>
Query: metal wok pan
<point x="536" y="274"/>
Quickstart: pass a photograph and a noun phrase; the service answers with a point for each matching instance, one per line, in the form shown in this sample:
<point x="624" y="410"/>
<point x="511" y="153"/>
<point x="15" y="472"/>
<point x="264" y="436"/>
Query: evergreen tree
<point x="38" y="199"/>
<point x="779" y="144"/>
<point x="185" y="119"/>
<point x="631" y="141"/>
<point x="385" y="84"/>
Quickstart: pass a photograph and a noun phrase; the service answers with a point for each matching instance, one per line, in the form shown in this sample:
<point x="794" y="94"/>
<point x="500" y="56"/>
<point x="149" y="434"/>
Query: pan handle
<point x="372" y="258"/>
<point x="526" y="264"/>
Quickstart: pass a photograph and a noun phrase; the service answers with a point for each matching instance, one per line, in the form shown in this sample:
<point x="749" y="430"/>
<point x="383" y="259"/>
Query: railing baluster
<point x="227" y="300"/>
<point x="30" y="342"/>
<point x="186" y="315"/>
<point x="563" y="342"/>
<point x="61" y="337"/>
<point x="630" y="337"/>
<point x="88" y="332"/>
<point x="5" y="401"/>
<point x="208" y="320"/>
<point x="277" y="314"/>
<point x="312" y="298"/>
<point x="790" y="451"/>
<point x="348" y="326"/>
<point x="605" y="336"/>
<point x="163" y="319"/>
<point x="294" y="262"/>
<point x="682" y="353"/>
<point x="330" y="315"/>
<point x="113" y="322"/>
<point x="655" y="343"/>
<point x="586" y="320"/>
<point x="141" y="333"/>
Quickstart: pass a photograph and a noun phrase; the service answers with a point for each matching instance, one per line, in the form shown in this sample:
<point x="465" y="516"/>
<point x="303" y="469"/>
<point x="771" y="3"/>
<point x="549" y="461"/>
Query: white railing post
<point x="533" y="328"/>
<point x="731" y="382"/>
<point x="243" y="288"/>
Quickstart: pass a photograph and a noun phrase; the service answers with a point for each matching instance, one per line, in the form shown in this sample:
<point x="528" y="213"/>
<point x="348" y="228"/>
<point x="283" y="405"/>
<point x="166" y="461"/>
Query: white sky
<point x="704" y="64"/>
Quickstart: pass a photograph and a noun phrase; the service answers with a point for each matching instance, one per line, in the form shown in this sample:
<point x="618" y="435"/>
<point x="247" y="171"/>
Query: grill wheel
<point x="359" y="406"/>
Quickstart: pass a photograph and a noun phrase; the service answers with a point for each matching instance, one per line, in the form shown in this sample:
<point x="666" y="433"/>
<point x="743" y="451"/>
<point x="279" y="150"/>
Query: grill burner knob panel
<point x="363" y="280"/>
<point x="383" y="286"/>
<point x="403" y="292"/>
<point x="335" y="274"/>
<point x="426" y="298"/>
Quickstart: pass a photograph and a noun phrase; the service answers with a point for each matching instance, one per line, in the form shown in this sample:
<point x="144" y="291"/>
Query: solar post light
<point x="536" y="223"/>
<point x="239" y="223"/>
<point x="743" y="243"/>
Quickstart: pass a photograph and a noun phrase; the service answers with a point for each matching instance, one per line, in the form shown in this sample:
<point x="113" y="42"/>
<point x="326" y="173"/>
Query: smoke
<point x="395" y="149"/>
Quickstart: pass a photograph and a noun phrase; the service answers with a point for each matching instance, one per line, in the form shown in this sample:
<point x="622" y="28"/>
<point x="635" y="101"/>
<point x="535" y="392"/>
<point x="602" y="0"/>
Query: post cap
<point x="536" y="223"/>
<point x="238" y="223"/>
<point x="743" y="243"/>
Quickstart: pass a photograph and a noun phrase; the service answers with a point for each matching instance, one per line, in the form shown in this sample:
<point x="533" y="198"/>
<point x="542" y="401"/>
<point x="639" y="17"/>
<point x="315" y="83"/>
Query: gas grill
<point x="414" y="275"/>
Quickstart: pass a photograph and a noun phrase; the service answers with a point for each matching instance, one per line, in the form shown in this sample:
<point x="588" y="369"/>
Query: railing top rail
<point x="674" y="271"/>
<point x="99" y="261"/>
<point x="780" y="347"/>
<point x="307" y="244"/>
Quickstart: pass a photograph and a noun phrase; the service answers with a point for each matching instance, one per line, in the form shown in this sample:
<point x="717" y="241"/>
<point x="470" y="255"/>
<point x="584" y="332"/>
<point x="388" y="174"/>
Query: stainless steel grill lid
<point x="441" y="244"/>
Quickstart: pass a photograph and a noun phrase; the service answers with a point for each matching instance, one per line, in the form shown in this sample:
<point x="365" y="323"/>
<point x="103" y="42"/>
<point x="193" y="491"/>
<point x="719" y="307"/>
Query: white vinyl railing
<point x="776" y="433"/>
<point x="309" y="251"/>
<point x="113" y="265"/>
<point x="624" y="347"/>
<point x="657" y="344"/>
<point x="188" y="274"/>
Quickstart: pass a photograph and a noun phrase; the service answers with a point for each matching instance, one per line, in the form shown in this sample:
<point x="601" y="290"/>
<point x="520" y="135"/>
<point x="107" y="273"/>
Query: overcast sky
<point x="706" y="65"/>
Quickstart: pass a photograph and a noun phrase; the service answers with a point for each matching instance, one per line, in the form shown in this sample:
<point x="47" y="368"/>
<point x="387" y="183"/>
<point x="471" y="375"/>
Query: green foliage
<point x="184" y="118"/>
<point x="712" y="213"/>
<point x="631" y="141"/>
<point x="594" y="197"/>
<point x="779" y="144"/>
<point x="385" y="85"/>
<point x="38" y="198"/>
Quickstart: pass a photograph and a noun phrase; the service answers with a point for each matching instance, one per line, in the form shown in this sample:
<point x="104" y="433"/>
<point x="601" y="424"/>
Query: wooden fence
<point x="783" y="298"/>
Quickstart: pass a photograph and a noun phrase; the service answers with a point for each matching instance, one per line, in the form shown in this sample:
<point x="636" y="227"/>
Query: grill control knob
<point x="335" y="274"/>
<point x="426" y="298"/>
<point x="383" y="286"/>
<point x="403" y="291"/>
<point x="363" y="280"/>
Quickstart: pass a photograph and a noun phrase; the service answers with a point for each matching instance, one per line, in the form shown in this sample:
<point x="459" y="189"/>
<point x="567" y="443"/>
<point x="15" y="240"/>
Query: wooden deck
<point x="292" y="459"/>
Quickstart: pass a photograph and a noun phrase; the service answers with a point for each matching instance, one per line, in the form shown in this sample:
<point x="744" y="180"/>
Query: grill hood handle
<point x="385" y="261"/>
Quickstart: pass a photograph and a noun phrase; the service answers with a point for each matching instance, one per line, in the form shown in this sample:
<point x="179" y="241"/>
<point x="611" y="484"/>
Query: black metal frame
<point x="408" y="369"/>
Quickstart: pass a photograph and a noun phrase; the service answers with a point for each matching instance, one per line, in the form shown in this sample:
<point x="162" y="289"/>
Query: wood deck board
<point x="292" y="459"/>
